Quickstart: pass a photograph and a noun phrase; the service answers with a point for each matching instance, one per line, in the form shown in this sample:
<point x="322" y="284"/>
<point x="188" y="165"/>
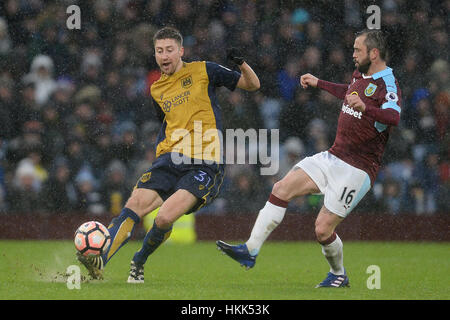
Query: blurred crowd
<point x="77" y="128"/>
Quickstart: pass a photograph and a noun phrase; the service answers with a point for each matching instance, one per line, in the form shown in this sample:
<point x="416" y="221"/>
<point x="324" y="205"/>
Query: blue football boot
<point x="239" y="253"/>
<point x="334" y="281"/>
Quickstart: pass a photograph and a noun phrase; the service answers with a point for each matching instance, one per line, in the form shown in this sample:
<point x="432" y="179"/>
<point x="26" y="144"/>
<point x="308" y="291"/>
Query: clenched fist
<point x="308" y="80"/>
<point x="355" y="102"/>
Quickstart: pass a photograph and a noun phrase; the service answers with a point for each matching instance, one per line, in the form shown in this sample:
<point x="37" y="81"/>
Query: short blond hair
<point x="168" y="33"/>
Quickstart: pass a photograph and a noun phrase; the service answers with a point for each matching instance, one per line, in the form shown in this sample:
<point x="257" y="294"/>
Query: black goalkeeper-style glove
<point x="235" y="55"/>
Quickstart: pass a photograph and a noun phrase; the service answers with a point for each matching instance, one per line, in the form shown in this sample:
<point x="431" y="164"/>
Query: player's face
<point x="168" y="53"/>
<point x="361" y="56"/>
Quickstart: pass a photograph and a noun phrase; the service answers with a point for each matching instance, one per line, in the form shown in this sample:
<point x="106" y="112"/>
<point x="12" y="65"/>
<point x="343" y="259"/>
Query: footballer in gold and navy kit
<point x="188" y="170"/>
<point x="188" y="147"/>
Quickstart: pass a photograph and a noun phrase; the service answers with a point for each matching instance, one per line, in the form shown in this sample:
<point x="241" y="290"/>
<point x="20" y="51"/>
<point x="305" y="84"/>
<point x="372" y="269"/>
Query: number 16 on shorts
<point x="347" y="197"/>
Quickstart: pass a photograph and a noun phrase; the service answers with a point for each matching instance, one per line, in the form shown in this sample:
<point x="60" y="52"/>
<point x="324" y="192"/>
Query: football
<point x="92" y="238"/>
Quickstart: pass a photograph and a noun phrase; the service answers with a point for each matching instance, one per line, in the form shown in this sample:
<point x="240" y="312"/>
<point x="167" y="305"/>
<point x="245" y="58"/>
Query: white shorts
<point x="342" y="184"/>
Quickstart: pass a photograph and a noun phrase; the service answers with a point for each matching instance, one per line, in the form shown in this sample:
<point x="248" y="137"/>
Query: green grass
<point x="284" y="271"/>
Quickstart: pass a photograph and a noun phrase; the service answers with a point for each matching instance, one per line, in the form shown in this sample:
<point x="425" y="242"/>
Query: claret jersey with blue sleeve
<point x="360" y="140"/>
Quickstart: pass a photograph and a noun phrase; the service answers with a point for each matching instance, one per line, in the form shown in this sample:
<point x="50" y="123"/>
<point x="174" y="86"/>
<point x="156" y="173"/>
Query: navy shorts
<point x="165" y="177"/>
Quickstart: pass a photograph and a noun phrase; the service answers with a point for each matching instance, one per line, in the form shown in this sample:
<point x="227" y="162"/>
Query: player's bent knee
<point x="163" y="221"/>
<point x="142" y="203"/>
<point x="135" y="203"/>
<point x="296" y="183"/>
<point x="281" y="190"/>
<point x="323" y="233"/>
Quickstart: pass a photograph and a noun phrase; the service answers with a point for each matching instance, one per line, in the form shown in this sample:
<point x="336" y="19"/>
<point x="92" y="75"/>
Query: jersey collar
<point x="379" y="74"/>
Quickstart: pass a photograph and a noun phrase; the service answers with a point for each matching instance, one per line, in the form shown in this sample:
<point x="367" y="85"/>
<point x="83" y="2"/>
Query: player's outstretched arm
<point x="336" y="89"/>
<point x="249" y="80"/>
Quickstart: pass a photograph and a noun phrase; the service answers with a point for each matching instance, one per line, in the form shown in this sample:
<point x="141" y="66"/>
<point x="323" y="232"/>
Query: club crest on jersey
<point x="186" y="82"/>
<point x="145" y="177"/>
<point x="370" y="90"/>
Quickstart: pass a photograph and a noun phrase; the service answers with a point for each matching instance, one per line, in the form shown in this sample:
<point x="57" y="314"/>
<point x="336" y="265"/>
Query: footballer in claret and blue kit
<point x="345" y="172"/>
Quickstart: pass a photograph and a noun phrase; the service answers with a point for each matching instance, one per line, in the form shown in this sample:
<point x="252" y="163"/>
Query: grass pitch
<point x="284" y="271"/>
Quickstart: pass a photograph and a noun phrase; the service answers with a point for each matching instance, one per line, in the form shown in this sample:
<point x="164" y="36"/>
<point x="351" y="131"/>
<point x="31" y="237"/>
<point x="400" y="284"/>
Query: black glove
<point x="235" y="55"/>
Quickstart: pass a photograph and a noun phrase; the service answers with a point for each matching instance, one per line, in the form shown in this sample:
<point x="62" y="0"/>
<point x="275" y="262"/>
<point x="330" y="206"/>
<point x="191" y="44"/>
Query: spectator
<point x="59" y="192"/>
<point x="415" y="200"/>
<point x="75" y="153"/>
<point x="25" y="195"/>
<point x="427" y="173"/>
<point x="270" y="109"/>
<point x="335" y="66"/>
<point x="295" y="116"/>
<point x="62" y="97"/>
<point x="439" y="77"/>
<point x="408" y="74"/>
<point x="426" y="132"/>
<point x="317" y="137"/>
<point x="27" y="108"/>
<point x="47" y="42"/>
<point x="35" y="156"/>
<point x="125" y="145"/>
<point x="114" y="188"/>
<point x="288" y="79"/>
<point x="31" y="139"/>
<point x="392" y="198"/>
<point x="5" y="41"/>
<point x="7" y="106"/>
<point x="311" y="61"/>
<point x="91" y="69"/>
<point x="103" y="13"/>
<point x="84" y="94"/>
<point x="41" y="75"/>
<point x="53" y="132"/>
<point x="89" y="199"/>
<point x="293" y="152"/>
<point x="101" y="153"/>
<point x="442" y="115"/>
<point x="236" y="107"/>
<point x="244" y="196"/>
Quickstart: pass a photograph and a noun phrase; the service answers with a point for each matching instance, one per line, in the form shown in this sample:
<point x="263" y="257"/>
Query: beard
<point x="364" y="66"/>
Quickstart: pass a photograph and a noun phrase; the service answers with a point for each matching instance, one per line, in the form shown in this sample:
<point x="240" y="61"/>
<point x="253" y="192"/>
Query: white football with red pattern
<point x="92" y="238"/>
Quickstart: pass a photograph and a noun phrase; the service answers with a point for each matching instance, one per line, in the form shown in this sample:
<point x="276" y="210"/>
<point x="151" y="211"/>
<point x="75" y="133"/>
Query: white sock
<point x="333" y="252"/>
<point x="268" y="219"/>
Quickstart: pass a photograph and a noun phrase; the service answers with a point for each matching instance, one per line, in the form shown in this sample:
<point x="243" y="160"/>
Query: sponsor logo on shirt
<point x="346" y="109"/>
<point x="176" y="101"/>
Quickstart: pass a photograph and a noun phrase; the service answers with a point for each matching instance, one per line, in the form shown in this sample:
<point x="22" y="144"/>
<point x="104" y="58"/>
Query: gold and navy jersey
<point x="186" y="104"/>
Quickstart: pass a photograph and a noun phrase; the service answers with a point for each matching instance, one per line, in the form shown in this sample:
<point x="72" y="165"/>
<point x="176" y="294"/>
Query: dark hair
<point x="375" y="39"/>
<point x="168" y="33"/>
